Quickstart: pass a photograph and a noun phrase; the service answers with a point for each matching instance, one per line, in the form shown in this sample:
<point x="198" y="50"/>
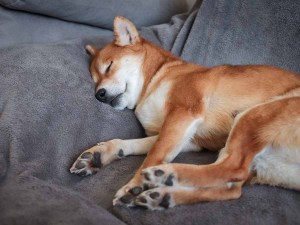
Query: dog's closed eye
<point x="108" y="68"/>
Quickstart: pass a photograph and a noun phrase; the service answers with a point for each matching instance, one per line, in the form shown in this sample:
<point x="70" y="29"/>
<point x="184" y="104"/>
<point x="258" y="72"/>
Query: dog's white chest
<point x="151" y="110"/>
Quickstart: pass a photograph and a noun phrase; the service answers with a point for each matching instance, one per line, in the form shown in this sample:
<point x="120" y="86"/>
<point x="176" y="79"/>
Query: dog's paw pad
<point x="127" y="199"/>
<point x="169" y="180"/>
<point x="156" y="177"/>
<point x="159" y="173"/>
<point x="87" y="163"/>
<point x="155" y="199"/>
<point x="96" y="160"/>
<point x="121" y="153"/>
<point x="136" y="191"/>
<point x="154" y="195"/>
<point x="86" y="155"/>
<point x="127" y="194"/>
<point x="165" y="202"/>
<point x="79" y="165"/>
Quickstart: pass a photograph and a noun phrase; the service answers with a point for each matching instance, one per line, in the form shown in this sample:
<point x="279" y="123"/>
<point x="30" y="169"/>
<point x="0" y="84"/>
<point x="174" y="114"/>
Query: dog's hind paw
<point x="159" y="176"/>
<point x="91" y="160"/>
<point x="126" y="195"/>
<point x="155" y="199"/>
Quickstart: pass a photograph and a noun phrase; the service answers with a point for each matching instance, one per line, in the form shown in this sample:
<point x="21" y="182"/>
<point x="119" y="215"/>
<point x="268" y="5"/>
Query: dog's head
<point x="117" y="68"/>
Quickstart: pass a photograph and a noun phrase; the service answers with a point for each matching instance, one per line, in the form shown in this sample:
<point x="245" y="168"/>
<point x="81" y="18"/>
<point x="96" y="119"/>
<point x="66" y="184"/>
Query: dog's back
<point x="220" y="93"/>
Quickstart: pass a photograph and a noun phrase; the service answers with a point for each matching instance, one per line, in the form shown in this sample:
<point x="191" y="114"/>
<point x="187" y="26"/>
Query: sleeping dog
<point x="251" y="113"/>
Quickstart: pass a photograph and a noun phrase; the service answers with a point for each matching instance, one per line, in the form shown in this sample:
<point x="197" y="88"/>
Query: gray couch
<point x="48" y="113"/>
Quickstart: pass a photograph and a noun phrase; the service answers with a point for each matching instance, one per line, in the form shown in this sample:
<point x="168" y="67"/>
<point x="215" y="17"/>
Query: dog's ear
<point x="125" y="32"/>
<point x="91" y="50"/>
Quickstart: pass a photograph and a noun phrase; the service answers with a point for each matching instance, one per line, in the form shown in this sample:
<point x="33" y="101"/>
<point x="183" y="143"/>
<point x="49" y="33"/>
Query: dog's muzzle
<point x="101" y="95"/>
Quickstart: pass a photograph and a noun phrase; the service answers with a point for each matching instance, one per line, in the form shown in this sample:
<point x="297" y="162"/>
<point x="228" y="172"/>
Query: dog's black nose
<point x="100" y="95"/>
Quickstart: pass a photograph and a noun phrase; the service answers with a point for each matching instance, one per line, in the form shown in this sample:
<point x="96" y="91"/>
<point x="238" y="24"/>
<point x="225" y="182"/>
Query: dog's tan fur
<point x="184" y="106"/>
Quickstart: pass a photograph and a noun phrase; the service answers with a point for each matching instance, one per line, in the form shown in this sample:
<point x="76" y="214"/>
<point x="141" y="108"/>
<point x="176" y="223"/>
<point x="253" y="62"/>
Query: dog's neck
<point x="154" y="59"/>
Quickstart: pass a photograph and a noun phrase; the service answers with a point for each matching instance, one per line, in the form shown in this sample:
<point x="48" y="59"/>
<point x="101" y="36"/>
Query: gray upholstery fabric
<point x="101" y="13"/>
<point x="49" y="115"/>
<point x="258" y="205"/>
<point x="236" y="32"/>
<point x="18" y="27"/>
<point x="29" y="200"/>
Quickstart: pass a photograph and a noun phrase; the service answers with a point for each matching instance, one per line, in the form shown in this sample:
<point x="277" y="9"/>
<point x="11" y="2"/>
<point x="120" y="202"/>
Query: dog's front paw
<point x="94" y="158"/>
<point x="159" y="176"/>
<point x="127" y="194"/>
<point x="155" y="199"/>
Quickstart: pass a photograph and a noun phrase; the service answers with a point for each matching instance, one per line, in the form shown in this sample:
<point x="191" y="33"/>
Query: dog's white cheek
<point x="122" y="104"/>
<point x="133" y="76"/>
<point x="119" y="107"/>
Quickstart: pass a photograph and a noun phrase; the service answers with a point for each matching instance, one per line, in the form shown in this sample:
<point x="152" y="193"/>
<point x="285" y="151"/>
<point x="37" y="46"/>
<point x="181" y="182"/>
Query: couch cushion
<point x="101" y="13"/>
<point x="236" y="32"/>
<point x="49" y="115"/>
<point x="19" y="27"/>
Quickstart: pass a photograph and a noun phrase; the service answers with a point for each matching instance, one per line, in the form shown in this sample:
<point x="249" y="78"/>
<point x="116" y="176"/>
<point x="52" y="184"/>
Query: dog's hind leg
<point x="105" y="152"/>
<point x="271" y="166"/>
<point x="277" y="167"/>
<point x="273" y="123"/>
<point x="167" y="197"/>
<point x="186" y="184"/>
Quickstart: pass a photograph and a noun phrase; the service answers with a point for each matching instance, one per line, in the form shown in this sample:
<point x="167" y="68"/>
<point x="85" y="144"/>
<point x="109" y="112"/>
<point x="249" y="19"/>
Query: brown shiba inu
<point x="252" y="113"/>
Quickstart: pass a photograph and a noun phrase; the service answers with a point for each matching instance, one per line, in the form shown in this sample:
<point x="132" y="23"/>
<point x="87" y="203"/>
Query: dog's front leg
<point x="105" y="152"/>
<point x="175" y="133"/>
